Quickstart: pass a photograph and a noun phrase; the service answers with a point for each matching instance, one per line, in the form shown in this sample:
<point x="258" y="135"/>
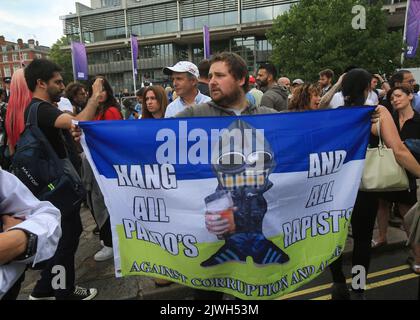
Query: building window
<point x="15" y="57"/>
<point x="160" y="27"/>
<point x="182" y="53"/>
<point x="263" y="50"/>
<point x="114" y="33"/>
<point x="172" y="25"/>
<point x="245" y="47"/>
<point x="231" y="18"/>
<point x="198" y="53"/>
<point x="110" y="3"/>
<point x="254" y="12"/>
<point x="146" y="29"/>
<point x="278" y="10"/>
<point x="212" y="20"/>
<point x="200" y="22"/>
<point x="7" y="72"/>
<point x="5" y="58"/>
<point x="188" y="24"/>
<point x="25" y="56"/>
<point x="264" y="13"/>
<point x="219" y="46"/>
<point x="216" y="20"/>
<point x="249" y="15"/>
<point x="153" y="58"/>
<point x="87" y="37"/>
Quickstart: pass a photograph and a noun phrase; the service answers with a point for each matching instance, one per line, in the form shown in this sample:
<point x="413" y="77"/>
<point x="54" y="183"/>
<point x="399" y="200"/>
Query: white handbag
<point x="382" y="172"/>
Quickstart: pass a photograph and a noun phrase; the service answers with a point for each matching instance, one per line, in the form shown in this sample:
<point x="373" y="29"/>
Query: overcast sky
<point x="35" y="19"/>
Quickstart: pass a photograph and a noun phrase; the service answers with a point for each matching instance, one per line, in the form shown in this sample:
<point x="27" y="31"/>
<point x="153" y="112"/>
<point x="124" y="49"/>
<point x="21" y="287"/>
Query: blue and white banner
<point x="253" y="206"/>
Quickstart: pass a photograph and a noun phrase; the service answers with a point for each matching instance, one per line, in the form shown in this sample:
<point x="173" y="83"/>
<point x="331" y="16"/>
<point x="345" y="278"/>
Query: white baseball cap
<point x="183" y="66"/>
<point x="298" y="81"/>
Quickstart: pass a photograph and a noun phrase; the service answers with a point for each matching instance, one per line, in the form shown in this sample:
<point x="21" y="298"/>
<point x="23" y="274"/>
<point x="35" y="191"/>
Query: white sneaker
<point x="41" y="297"/>
<point x="80" y="293"/>
<point x="104" y="254"/>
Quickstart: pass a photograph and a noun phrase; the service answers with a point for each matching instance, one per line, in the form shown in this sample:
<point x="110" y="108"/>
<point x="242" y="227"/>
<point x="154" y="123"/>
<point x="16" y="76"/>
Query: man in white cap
<point x="185" y="77"/>
<point x="297" y="82"/>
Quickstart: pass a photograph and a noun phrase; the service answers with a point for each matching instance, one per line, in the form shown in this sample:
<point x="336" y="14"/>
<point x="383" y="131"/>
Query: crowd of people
<point x="218" y="87"/>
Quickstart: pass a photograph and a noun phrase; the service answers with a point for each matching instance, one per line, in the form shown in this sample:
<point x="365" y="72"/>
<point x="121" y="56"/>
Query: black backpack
<point x="4" y="161"/>
<point x="37" y="165"/>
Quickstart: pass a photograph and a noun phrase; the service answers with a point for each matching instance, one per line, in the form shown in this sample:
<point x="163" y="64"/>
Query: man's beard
<point x="81" y="104"/>
<point x="262" y="83"/>
<point x="228" y="101"/>
<point x="55" y="96"/>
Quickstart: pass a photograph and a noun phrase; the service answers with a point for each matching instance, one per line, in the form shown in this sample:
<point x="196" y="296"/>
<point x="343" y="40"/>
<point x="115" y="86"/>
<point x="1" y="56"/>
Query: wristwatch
<point x="30" y="247"/>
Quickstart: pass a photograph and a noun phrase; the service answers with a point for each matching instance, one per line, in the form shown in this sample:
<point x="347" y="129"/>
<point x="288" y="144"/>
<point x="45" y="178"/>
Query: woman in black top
<point x="356" y="84"/>
<point x="407" y="121"/>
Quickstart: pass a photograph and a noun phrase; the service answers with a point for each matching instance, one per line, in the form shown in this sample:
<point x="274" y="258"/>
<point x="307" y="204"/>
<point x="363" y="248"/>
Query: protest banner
<point x="253" y="206"/>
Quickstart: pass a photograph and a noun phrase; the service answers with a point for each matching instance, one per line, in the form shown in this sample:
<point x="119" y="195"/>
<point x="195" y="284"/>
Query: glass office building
<point x="169" y="31"/>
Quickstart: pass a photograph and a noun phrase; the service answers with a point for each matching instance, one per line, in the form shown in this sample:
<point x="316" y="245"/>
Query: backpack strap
<point x="33" y="114"/>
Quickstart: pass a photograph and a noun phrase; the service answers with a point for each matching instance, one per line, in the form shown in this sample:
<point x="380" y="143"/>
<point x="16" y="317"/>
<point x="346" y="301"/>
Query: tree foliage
<point x="318" y="34"/>
<point x="413" y="62"/>
<point x="63" y="58"/>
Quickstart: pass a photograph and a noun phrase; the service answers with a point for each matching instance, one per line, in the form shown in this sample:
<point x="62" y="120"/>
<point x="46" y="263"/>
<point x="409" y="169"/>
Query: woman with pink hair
<point x="20" y="97"/>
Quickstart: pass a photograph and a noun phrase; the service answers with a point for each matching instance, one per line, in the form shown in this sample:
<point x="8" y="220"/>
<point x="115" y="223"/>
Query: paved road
<point x="389" y="279"/>
<point x="390" y="276"/>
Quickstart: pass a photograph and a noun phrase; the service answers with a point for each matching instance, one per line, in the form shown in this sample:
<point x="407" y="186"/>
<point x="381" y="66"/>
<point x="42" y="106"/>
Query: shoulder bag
<point x="382" y="172"/>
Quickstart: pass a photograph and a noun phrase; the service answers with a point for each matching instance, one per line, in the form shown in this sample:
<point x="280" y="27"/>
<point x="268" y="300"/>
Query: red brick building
<point x="13" y="55"/>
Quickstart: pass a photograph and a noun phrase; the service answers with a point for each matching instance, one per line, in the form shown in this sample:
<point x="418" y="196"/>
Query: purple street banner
<point x="206" y="40"/>
<point x="134" y="52"/>
<point x="79" y="59"/>
<point x="413" y="28"/>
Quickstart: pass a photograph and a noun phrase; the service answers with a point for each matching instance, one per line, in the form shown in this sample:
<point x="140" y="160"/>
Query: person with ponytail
<point x="355" y="89"/>
<point x="20" y="97"/>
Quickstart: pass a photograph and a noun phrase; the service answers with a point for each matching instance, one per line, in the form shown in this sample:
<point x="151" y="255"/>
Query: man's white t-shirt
<point x="65" y="105"/>
<point x="338" y="100"/>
